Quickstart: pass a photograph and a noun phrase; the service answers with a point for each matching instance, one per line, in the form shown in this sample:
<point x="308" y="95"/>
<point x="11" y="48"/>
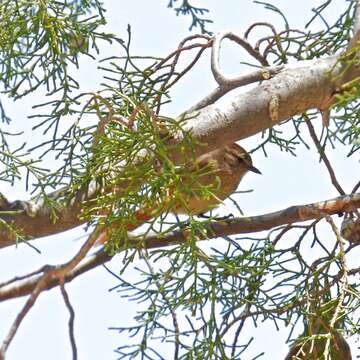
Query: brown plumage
<point x="221" y="170"/>
<point x="227" y="166"/>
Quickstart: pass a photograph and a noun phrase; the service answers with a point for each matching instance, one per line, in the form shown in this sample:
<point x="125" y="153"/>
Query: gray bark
<point x="294" y="90"/>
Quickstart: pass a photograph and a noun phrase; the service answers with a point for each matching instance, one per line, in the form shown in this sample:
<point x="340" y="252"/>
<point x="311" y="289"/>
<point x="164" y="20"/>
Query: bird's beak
<point x="254" y="169"/>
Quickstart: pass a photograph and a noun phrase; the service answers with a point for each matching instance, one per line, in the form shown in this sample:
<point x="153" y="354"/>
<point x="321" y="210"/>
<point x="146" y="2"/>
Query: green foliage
<point x="130" y="182"/>
<point x="211" y="293"/>
<point x="195" y="12"/>
<point x="346" y="104"/>
<point x="40" y="39"/>
<point x="323" y="325"/>
<point x="287" y="45"/>
<point x="119" y="142"/>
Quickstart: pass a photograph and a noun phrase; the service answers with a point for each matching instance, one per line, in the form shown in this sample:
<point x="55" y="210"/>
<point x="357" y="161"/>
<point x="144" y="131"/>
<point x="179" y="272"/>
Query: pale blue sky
<point x="285" y="181"/>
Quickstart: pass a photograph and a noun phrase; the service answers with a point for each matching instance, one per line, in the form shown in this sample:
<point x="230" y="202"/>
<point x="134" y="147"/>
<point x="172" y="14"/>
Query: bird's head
<point x="235" y="153"/>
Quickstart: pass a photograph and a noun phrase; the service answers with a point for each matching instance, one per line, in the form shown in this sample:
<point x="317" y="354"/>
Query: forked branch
<point x="347" y="203"/>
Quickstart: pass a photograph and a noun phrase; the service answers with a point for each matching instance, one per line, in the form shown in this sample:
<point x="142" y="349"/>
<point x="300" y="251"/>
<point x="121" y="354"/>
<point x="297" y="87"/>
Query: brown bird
<point x="220" y="170"/>
<point x="229" y="165"/>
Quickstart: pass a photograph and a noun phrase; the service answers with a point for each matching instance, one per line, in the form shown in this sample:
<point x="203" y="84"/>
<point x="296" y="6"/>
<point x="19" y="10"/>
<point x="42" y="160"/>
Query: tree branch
<point x="293" y="214"/>
<point x="296" y="89"/>
<point x="71" y="319"/>
<point x="238" y="80"/>
<point x="34" y="217"/>
<point x="356" y="26"/>
<point x="324" y="157"/>
<point x="48" y="274"/>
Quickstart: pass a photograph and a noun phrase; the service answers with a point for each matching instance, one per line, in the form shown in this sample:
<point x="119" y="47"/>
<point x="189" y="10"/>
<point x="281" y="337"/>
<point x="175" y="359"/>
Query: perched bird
<point x="220" y="170"/>
<point x="229" y="165"/>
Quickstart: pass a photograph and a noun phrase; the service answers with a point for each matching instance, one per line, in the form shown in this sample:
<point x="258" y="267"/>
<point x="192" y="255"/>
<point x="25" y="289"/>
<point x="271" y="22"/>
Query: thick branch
<point x="296" y="89"/>
<point x="34" y="217"/>
<point x="293" y="214"/>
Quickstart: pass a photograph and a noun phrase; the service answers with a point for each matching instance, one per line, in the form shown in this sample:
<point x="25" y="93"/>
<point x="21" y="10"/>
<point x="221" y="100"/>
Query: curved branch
<point x="296" y="89"/>
<point x="48" y="274"/>
<point x="228" y="84"/>
<point x="241" y="80"/>
<point x="239" y="40"/>
<point x="347" y="203"/>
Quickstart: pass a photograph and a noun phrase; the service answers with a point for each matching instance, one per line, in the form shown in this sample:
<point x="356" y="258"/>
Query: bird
<point x="226" y="167"/>
<point x="221" y="170"/>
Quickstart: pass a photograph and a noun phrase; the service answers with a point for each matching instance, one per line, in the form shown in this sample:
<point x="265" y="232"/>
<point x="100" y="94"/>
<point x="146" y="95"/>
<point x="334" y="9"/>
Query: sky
<point x="286" y="181"/>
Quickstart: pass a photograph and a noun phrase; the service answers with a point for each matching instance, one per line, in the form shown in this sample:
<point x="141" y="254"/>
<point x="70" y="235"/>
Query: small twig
<point x="71" y="319"/>
<point x="49" y="273"/>
<point x="260" y="23"/>
<point x="228" y="84"/>
<point x="343" y="282"/>
<point x="19" y="278"/>
<point x="356" y="187"/>
<point x="214" y="229"/>
<point x="239" y="80"/>
<point x="20" y="317"/>
<point x="281" y="234"/>
<point x="186" y="69"/>
<point x="181" y="48"/>
<point x="324" y="157"/>
<point x="172" y="311"/>
<point x="238" y="330"/>
<point x="356" y="27"/>
<point x="176" y="55"/>
<point x="103" y="121"/>
<point x="275" y="38"/>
